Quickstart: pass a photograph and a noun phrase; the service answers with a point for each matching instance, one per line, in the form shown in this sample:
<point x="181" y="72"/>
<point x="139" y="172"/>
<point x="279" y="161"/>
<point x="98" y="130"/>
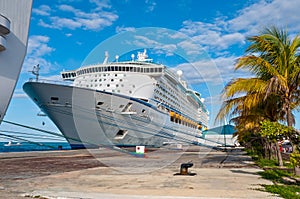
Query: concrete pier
<point x="105" y="173"/>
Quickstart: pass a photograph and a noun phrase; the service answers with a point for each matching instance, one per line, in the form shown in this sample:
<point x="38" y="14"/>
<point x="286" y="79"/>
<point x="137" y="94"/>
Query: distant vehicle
<point x="287" y="147"/>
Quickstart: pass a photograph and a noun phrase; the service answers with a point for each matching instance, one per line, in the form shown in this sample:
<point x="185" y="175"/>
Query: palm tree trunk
<point x="279" y="156"/>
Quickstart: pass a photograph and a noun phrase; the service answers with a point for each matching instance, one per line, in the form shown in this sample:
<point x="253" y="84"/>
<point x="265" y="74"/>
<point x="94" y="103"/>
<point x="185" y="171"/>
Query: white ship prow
<point x="14" y="26"/>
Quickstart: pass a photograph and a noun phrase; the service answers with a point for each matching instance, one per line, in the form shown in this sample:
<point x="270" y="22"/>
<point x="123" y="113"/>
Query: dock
<point x="106" y="173"/>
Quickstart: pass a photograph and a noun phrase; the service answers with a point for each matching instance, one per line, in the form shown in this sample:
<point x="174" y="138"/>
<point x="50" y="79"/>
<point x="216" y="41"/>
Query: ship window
<point x="117" y="85"/>
<point x="121" y="80"/>
<point x="127" y="68"/>
<point x="116" y="75"/>
<point x="130" y="92"/>
<point x="151" y="70"/>
<point x="100" y="103"/>
<point x="138" y="70"/>
<point x="120" y="134"/>
<point x="123" y="68"/>
<point x="112" y="80"/>
<point x="108" y="85"/>
<point x="54" y="98"/>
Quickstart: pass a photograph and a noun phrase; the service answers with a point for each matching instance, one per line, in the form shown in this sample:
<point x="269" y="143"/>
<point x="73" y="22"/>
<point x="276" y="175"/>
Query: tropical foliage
<point x="271" y="94"/>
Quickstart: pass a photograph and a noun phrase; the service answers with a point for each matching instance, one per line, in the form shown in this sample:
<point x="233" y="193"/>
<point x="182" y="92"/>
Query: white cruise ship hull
<point x="90" y="118"/>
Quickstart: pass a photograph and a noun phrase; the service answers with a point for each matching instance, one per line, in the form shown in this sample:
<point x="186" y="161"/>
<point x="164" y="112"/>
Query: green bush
<point x="295" y="159"/>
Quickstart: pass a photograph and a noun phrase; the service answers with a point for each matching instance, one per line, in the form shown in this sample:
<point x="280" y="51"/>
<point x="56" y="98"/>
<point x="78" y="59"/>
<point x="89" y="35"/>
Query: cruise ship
<point x="122" y="103"/>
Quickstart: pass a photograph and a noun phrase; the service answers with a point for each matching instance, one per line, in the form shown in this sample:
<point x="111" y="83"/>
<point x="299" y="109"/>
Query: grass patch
<point x="285" y="191"/>
<point x="266" y="163"/>
<point x="274" y="175"/>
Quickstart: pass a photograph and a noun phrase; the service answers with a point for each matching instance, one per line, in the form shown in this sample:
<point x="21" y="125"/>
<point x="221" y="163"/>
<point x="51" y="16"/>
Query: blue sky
<point x="63" y="32"/>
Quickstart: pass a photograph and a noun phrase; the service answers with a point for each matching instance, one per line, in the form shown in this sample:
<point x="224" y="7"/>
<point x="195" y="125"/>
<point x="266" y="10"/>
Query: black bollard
<point x="184" y="168"/>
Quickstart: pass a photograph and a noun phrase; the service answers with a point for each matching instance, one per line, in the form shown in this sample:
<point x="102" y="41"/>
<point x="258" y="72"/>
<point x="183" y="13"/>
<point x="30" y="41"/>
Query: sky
<point x="63" y="33"/>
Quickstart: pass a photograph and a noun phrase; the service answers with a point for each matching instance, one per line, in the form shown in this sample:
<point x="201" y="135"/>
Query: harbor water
<point x="26" y="146"/>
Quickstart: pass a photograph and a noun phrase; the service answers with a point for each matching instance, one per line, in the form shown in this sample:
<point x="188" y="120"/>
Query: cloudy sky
<point x="63" y="33"/>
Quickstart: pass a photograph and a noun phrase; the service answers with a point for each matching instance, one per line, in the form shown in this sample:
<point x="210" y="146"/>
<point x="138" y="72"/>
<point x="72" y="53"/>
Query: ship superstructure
<point x="134" y="102"/>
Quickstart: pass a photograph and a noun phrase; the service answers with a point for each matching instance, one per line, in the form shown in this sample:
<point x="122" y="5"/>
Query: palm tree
<point x="275" y="61"/>
<point x="274" y="92"/>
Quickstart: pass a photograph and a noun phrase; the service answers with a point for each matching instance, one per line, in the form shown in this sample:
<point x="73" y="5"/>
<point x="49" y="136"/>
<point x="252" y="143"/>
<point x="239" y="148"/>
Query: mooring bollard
<point x="184" y="168"/>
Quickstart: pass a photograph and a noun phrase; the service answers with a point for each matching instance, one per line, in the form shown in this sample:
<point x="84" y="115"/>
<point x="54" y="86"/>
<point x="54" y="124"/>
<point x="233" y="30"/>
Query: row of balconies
<point x="4" y="30"/>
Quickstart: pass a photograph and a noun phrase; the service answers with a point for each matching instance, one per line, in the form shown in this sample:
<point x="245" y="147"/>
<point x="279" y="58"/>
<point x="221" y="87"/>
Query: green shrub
<point x="295" y="159"/>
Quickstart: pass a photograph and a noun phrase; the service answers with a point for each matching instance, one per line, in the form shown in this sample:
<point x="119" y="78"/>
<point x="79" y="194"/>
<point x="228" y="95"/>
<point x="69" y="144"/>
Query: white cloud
<point x="150" y="5"/>
<point x="265" y="13"/>
<point x="37" y="52"/>
<point x="212" y="36"/>
<point x="94" y="19"/>
<point x="123" y="29"/>
<point x="224" y="33"/>
<point x="43" y="10"/>
<point x="218" y="37"/>
<point x="68" y="34"/>
<point x="159" y="47"/>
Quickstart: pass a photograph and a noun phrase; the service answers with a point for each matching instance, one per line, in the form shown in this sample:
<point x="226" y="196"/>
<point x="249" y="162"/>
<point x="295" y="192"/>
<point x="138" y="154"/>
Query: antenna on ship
<point x="36" y="71"/>
<point x="106" y="58"/>
<point x="132" y="57"/>
<point x="117" y="58"/>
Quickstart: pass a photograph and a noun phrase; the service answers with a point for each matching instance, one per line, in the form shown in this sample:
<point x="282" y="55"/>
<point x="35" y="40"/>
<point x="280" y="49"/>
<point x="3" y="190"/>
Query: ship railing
<point x="51" y="81"/>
